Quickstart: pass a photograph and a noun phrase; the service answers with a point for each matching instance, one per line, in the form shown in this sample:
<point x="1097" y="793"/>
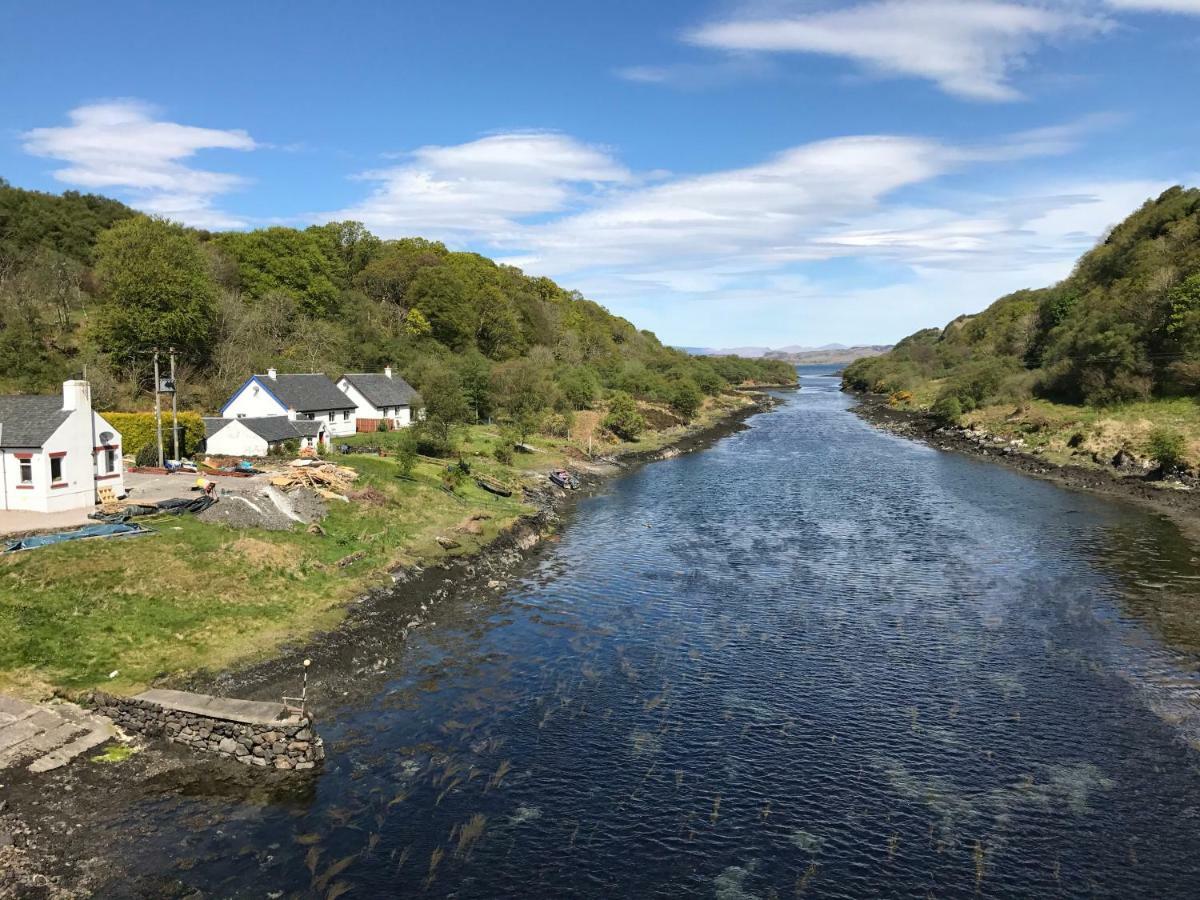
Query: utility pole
<point x="158" y="410"/>
<point x="174" y="410"/>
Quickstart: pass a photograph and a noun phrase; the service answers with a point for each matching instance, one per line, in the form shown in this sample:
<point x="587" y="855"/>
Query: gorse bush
<point x="1167" y="447"/>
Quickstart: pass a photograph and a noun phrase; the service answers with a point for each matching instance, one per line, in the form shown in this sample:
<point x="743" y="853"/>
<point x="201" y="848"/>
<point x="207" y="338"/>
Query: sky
<point x="731" y="173"/>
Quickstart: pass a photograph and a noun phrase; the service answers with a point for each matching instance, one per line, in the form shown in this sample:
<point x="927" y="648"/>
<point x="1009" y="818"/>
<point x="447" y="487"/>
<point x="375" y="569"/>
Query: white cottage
<point x="261" y="436"/>
<point x="56" y="452"/>
<point x="300" y="398"/>
<point x="377" y="397"/>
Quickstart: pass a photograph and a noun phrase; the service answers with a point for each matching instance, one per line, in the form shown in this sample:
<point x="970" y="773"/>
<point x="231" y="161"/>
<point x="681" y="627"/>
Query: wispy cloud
<point x="122" y="145"/>
<point x="1185" y="7"/>
<point x="484" y="186"/>
<point x="968" y="48"/>
<point x="674" y="251"/>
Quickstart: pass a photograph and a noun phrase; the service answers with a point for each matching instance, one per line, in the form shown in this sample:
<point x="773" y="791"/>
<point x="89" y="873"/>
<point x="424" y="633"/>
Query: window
<point x="27" y="471"/>
<point x="56" y="472"/>
<point x="110" y="461"/>
<point x="345" y="415"/>
<point x="330" y="418"/>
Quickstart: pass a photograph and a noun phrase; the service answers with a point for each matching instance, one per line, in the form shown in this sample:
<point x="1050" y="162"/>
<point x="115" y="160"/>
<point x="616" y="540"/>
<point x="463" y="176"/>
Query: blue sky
<point x="726" y="174"/>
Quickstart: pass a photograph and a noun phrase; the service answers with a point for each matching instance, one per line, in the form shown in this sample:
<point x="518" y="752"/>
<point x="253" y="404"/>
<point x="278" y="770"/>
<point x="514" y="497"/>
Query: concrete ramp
<point x="248" y="712"/>
<point x="46" y="737"/>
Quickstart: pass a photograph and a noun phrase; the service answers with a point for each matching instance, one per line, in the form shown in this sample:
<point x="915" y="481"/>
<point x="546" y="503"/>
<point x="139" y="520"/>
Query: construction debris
<point x="329" y="481"/>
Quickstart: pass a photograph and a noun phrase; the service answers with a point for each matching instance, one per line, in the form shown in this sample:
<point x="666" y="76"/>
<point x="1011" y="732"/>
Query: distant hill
<point x="826" y="354"/>
<point x="835" y="354"/>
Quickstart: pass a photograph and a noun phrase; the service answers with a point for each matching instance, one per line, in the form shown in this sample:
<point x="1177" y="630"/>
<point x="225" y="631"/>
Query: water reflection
<point x="838" y="664"/>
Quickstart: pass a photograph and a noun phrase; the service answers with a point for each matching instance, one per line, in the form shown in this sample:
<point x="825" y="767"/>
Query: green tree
<point x="685" y="398"/>
<point x="300" y="263"/>
<point x="1167" y="447"/>
<point x="475" y="372"/>
<point x="580" y="386"/>
<point x="156" y="287"/>
<point x="623" y="418"/>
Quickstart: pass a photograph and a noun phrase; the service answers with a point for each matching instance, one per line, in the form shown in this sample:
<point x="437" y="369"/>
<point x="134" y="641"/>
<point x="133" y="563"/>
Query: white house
<point x="378" y="397"/>
<point x="56" y="452"/>
<point x="309" y="398"/>
<point x="259" y="436"/>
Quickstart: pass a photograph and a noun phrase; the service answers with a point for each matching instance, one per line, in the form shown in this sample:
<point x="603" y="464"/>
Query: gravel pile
<point x="268" y="508"/>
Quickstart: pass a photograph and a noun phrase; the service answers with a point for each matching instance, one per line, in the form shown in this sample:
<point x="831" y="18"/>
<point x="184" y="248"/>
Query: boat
<point x="493" y="487"/>
<point x="564" y="479"/>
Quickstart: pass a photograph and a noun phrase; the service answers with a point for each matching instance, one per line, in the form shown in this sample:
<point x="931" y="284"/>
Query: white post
<point x="158" y="411"/>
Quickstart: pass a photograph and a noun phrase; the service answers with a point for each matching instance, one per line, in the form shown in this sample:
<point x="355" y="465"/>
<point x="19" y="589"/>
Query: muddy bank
<point x="1178" y="499"/>
<point x="53" y="839"/>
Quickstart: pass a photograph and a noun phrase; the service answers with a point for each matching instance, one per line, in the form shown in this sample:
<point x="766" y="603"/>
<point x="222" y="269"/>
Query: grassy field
<point x="1074" y="433"/>
<point x="197" y="595"/>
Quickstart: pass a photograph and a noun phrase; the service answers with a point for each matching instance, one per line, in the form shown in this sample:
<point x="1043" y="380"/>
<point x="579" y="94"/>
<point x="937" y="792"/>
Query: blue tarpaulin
<point x="88" y="531"/>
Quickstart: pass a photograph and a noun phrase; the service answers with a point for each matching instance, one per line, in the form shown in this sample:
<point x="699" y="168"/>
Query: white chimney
<point x="76" y="395"/>
<point x="271" y="373"/>
<point x="387" y="371"/>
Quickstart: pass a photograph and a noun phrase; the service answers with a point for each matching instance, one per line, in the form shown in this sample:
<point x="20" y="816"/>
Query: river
<point x="812" y="660"/>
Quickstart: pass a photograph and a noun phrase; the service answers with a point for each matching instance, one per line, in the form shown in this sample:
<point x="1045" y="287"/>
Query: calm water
<point x="815" y="660"/>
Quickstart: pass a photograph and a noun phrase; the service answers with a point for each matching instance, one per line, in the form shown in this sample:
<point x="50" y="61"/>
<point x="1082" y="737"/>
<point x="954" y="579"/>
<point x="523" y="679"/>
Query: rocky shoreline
<point x="54" y="840"/>
<point x="1124" y="477"/>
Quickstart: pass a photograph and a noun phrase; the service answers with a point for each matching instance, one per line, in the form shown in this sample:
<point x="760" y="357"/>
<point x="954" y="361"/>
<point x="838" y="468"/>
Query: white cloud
<point x="697" y="253"/>
<point x="484" y="186"/>
<point x="121" y="145"/>
<point x="969" y="48"/>
<point x="1185" y="7"/>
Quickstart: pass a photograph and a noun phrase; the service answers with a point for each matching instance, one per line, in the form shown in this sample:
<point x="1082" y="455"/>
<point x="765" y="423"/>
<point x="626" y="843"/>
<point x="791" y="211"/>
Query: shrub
<point x="1167" y="446"/>
<point x="405" y="448"/>
<point x="147" y="455"/>
<point x="947" y="409"/>
<point x="385" y="425"/>
<point x="137" y="431"/>
<point x="623" y="418"/>
<point x="685" y="398"/>
<point x="900" y="398"/>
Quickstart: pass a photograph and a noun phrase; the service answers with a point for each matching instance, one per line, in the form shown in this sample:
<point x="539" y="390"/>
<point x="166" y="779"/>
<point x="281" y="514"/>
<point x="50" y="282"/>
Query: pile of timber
<point x="328" y="480"/>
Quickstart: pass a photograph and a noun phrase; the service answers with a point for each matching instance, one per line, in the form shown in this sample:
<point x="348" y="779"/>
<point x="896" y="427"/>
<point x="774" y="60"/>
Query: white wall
<point x="254" y="401"/>
<point x="366" y="410"/>
<point x="235" y="439"/>
<point x="105" y="477"/>
<point x="75" y="443"/>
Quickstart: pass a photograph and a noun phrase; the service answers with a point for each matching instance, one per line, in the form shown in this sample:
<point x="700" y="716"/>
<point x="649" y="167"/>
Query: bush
<point x="137" y="431"/>
<point x="1167" y="447"/>
<point x="434" y="438"/>
<point x="405" y="448"/>
<point x="558" y="424"/>
<point x="947" y="409"/>
<point x="685" y="398"/>
<point x="623" y="418"/>
<point x="147" y="455"/>
<point x="900" y="398"/>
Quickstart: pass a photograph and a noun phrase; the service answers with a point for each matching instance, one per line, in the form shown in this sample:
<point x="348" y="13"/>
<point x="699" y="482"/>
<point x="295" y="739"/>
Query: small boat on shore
<point x="564" y="480"/>
<point x="493" y="487"/>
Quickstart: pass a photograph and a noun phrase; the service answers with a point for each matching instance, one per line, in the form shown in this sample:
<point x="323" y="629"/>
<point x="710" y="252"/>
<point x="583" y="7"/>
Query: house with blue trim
<point x="265" y="403"/>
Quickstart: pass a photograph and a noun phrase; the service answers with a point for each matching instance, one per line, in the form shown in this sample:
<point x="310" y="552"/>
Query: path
<point x="43" y="738"/>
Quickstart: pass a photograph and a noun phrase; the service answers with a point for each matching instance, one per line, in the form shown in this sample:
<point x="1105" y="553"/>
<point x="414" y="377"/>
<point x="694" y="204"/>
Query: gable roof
<point x="303" y="393"/>
<point x="271" y="429"/>
<point x="29" y="421"/>
<point x="382" y="391"/>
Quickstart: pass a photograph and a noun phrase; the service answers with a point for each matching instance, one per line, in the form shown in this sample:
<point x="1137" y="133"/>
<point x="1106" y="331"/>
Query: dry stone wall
<point x="293" y="746"/>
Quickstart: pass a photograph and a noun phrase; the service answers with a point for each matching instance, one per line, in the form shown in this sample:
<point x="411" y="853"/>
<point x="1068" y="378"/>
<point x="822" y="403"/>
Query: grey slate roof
<point x="29" y="421"/>
<point x="274" y="429"/>
<point x="382" y="391"/>
<point x="213" y="424"/>
<point x="306" y="393"/>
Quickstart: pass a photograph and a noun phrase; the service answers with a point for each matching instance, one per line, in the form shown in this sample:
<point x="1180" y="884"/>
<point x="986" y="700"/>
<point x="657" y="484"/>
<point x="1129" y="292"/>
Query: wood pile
<point x="329" y="481"/>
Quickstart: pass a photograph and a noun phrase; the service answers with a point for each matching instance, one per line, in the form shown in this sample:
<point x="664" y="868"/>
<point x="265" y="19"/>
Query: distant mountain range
<point x="829" y="354"/>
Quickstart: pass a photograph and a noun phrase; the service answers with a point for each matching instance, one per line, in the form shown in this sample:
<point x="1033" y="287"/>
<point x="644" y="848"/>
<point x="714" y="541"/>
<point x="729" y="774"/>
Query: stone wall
<point x="294" y="745"/>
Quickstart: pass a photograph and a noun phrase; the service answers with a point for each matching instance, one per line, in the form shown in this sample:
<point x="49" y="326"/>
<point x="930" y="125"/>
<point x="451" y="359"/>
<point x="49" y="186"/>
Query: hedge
<point x="137" y="430"/>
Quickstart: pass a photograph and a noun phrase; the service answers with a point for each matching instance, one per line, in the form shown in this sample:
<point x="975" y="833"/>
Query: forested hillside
<point x="87" y="284"/>
<point x="1123" y="327"/>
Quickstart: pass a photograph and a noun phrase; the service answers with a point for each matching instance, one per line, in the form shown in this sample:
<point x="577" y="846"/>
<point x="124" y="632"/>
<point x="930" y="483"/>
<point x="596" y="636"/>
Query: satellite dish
<point x="106" y="437"/>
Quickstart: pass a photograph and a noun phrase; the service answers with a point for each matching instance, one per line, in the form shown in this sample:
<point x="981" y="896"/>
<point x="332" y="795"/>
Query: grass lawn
<point x="197" y="595"/>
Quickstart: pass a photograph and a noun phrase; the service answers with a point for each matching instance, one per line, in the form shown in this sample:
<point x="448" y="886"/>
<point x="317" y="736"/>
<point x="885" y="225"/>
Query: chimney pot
<point x="387" y="371"/>
<point x="271" y="373"/>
